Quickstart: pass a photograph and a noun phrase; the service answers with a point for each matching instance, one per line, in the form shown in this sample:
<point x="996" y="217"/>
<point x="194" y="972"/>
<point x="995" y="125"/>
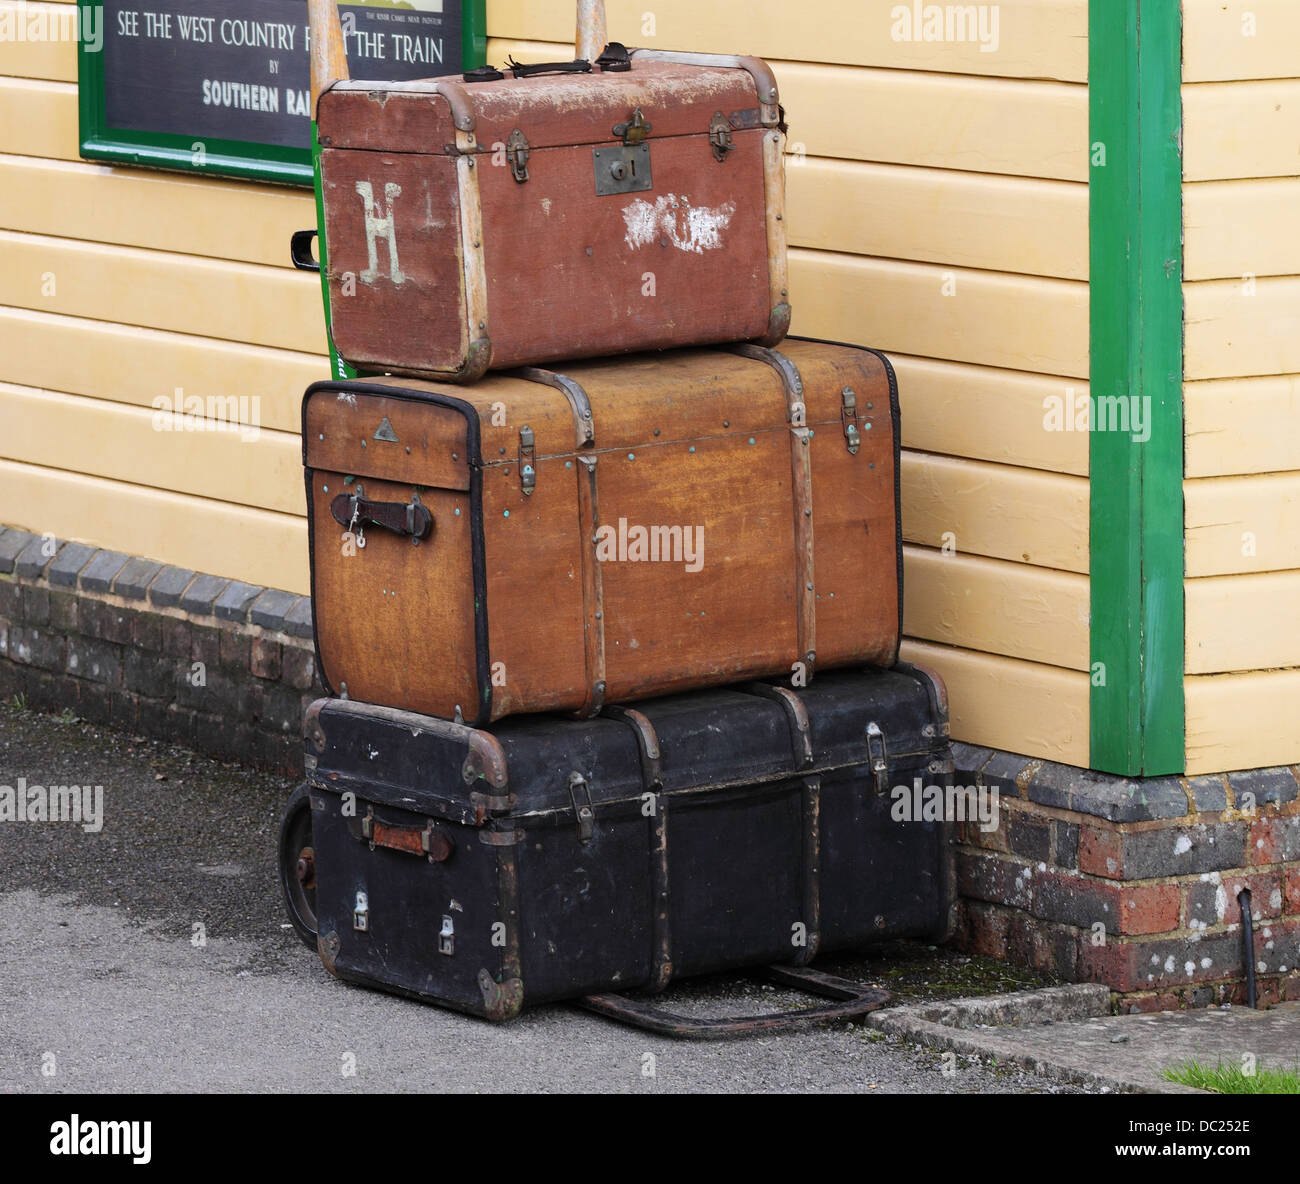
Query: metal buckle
<point x="582" y="809"/>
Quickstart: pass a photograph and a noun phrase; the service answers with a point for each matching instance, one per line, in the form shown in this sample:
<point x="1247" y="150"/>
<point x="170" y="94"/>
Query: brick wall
<point x="1133" y="883"/>
<point x="220" y="666"/>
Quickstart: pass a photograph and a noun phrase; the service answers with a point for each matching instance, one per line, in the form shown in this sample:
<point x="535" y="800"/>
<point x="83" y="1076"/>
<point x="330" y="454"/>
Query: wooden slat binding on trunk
<point x="504" y="999"/>
<point x="478" y="339"/>
<point x="796" y="715"/>
<point x="584" y="430"/>
<point x="801" y="496"/>
<point x="812" y="844"/>
<point x="593" y="588"/>
<point x="778" y="237"/>
<point x="661" y="954"/>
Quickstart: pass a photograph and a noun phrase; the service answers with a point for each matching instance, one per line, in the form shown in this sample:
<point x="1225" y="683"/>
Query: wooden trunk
<point x="487" y="225"/>
<point x="628" y="528"/>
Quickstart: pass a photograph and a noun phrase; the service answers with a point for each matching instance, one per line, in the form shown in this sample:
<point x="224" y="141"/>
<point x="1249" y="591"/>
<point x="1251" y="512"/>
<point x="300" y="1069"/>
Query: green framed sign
<point x="175" y="85"/>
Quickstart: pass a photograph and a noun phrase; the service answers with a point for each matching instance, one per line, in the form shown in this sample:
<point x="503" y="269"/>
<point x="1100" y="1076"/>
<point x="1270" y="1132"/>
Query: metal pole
<point x="592" y="35"/>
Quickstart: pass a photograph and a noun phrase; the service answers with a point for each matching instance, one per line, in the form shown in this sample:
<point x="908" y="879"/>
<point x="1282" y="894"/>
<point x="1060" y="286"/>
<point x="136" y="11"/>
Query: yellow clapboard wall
<point x="958" y="245"/>
<point x="1036" y="38"/>
<point x="1241" y="193"/>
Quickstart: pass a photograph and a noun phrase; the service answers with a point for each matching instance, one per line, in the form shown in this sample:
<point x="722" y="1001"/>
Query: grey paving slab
<point x="1120" y="1052"/>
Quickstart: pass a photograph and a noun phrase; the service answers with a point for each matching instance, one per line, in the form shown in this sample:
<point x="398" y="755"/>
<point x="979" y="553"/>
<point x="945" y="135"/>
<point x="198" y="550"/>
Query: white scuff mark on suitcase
<point x="430" y="222"/>
<point x="348" y="397"/>
<point x="694" y="229"/>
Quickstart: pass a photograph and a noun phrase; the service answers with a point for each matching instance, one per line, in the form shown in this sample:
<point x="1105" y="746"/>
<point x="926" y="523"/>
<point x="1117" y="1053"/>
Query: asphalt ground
<point x="154" y="956"/>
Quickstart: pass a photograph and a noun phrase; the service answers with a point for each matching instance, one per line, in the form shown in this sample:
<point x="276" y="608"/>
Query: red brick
<point x="993" y="840"/>
<point x="264" y="660"/>
<point x="1262" y="842"/>
<point x="1110" y="964"/>
<point x="1291" y="892"/>
<point x="1101" y="852"/>
<point x="1161" y="1001"/>
<point x="985" y="930"/>
<point x="1149" y="908"/>
<point x="1291" y="988"/>
<point x="1160" y="964"/>
<point x="1020" y="938"/>
<point x="298" y="667"/>
<point x="1140" y="1003"/>
<point x="235" y="649"/>
<point x="1262" y="885"/>
<point x="1056" y="950"/>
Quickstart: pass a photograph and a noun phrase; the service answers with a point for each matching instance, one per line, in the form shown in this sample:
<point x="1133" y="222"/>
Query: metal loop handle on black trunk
<point x="854" y="999"/>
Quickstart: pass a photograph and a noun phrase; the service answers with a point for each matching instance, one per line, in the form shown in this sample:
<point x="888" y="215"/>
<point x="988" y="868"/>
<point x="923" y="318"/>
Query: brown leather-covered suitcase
<point x="551" y="541"/>
<point x="636" y="203"/>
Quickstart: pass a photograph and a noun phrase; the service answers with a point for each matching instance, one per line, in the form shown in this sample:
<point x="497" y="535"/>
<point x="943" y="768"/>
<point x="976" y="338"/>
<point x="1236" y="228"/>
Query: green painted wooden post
<point x="1136" y="539"/>
<point x="338" y="367"/>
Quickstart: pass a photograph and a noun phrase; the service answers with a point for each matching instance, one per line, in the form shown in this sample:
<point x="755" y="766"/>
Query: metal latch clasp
<point x="849" y="418"/>
<point x="720" y="136"/>
<point x="878" y="755"/>
<point x="527" y="460"/>
<point x="361" y="913"/>
<point x="517" y="153"/>
<point x="447" y="937"/>
<point x="580" y="796"/>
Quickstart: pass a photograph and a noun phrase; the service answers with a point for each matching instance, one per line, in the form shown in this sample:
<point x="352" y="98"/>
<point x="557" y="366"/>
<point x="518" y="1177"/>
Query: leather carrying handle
<point x="519" y="70"/>
<point x="615" y="58"/>
<point x="300" y="250"/>
<point x="423" y="841"/>
<point x="404" y="518"/>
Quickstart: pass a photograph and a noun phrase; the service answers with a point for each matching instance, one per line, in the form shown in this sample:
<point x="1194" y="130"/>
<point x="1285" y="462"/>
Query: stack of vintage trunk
<point x="501" y="530"/>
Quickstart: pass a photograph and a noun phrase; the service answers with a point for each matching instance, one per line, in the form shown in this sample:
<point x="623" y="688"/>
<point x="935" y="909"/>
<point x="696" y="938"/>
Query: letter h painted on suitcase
<point x="378" y="224"/>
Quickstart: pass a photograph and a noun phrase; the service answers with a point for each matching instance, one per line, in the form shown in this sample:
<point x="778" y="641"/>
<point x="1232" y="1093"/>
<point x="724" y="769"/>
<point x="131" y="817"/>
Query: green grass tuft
<point x="1229" y="1079"/>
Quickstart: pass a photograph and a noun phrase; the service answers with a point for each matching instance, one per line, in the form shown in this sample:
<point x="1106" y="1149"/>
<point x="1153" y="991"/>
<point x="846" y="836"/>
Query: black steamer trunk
<point x="547" y="858"/>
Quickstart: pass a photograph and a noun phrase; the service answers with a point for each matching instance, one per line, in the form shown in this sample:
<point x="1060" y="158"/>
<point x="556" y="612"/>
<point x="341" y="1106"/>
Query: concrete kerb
<point x="986" y="1027"/>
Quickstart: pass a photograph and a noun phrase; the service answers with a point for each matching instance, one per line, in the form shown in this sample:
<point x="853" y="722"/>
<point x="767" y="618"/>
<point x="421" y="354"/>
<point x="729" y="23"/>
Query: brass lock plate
<point x="622" y="169"/>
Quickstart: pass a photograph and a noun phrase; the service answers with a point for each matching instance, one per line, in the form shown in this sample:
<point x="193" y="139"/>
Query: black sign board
<point x="224" y="88"/>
